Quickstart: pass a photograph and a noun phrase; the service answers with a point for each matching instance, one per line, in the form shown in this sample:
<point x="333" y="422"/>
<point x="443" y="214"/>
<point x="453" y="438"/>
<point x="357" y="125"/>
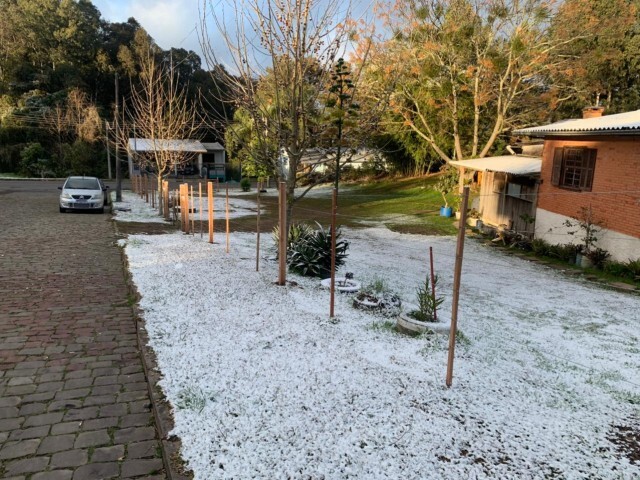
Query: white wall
<point x="550" y="227"/>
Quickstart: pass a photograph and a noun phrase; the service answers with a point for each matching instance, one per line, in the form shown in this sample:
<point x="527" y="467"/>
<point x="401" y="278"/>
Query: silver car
<point x="83" y="193"/>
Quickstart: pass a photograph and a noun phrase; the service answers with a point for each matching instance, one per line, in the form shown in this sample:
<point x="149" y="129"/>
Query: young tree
<point x="282" y="54"/>
<point x="160" y="111"/>
<point x="458" y="73"/>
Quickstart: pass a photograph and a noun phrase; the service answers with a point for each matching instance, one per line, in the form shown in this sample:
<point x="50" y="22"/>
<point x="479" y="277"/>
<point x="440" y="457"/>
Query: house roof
<point x="513" y="164"/>
<point x="148" y="145"/>
<point x="627" y="123"/>
<point x="213" y="146"/>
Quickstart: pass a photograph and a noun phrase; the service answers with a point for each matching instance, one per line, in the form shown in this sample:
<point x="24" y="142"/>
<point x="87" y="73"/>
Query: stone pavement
<point x="74" y="400"/>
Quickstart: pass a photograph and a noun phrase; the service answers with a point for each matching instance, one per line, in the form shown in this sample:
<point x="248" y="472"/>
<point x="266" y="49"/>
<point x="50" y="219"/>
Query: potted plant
<point x="445" y="186"/>
<point x="376" y="296"/>
<point x="588" y="227"/>
<point x="415" y="319"/>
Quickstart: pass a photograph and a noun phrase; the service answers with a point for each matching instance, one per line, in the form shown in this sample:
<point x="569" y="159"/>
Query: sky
<point x="171" y="23"/>
<point x="176" y="23"/>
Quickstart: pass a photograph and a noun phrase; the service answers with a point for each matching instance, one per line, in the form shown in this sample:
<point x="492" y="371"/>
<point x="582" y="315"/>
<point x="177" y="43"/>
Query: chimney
<point x="592" y="112"/>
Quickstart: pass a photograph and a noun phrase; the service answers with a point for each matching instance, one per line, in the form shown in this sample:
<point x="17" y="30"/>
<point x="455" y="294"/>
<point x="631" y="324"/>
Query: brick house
<point x="591" y="164"/>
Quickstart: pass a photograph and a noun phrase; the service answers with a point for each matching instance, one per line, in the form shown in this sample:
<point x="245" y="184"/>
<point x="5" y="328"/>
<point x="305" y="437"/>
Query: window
<point x="573" y="168"/>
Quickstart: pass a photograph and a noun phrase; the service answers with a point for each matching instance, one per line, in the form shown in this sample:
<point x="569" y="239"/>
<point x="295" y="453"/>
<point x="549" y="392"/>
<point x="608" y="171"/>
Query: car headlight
<point x="66" y="196"/>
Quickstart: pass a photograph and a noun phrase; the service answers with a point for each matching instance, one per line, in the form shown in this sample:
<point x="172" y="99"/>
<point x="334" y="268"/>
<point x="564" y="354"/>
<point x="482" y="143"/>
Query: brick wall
<point x="614" y="198"/>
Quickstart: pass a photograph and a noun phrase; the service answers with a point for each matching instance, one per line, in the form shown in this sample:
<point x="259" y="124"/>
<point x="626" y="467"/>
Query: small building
<point x="322" y="160"/>
<point x="213" y="163"/>
<point x="508" y="190"/>
<point x="206" y="159"/>
<point x="591" y="164"/>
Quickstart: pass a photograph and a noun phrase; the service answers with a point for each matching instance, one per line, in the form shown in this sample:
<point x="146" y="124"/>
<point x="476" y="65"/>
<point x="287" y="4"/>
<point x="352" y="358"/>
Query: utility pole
<point x="106" y="131"/>
<point x="118" y="166"/>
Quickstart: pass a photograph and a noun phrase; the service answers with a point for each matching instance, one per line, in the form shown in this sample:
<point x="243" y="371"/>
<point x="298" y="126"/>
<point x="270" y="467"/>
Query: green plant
<point x="377" y="296"/>
<point x="588" y="227"/>
<point x="309" y="250"/>
<point x="191" y="398"/>
<point x="540" y="248"/>
<point x="598" y="256"/>
<point x="447" y="183"/>
<point x="633" y="268"/>
<point x="245" y="184"/>
<point x="428" y="302"/>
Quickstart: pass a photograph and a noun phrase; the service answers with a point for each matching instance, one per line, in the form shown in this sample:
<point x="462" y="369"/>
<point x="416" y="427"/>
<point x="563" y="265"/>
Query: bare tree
<point x="161" y="113"/>
<point x="281" y="58"/>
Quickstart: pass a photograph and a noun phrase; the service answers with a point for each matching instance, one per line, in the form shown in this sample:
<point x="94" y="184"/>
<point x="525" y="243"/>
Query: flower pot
<point x="342" y="285"/>
<point x="583" y="261"/>
<point x="474" y="222"/>
<point x="446" y="211"/>
<point x="388" y="305"/>
<point x="405" y="323"/>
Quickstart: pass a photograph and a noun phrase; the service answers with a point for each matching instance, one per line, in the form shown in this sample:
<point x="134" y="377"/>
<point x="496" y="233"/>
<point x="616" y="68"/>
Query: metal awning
<point x="513" y="164"/>
<point x="148" y="145"/>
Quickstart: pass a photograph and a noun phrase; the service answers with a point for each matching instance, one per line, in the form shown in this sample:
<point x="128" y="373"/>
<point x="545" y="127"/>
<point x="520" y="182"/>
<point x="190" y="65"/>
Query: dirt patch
<point x="627" y="440"/>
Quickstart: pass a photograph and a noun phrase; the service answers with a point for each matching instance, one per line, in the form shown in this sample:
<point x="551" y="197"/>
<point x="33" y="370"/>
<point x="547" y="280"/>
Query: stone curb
<point x="170" y="445"/>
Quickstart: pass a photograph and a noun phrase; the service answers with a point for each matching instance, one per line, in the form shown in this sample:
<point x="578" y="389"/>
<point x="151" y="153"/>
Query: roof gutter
<point x="597" y="133"/>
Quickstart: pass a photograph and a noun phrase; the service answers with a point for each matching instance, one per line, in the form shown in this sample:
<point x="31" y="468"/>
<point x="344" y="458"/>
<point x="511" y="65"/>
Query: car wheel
<point x="62" y="210"/>
<point x="101" y="210"/>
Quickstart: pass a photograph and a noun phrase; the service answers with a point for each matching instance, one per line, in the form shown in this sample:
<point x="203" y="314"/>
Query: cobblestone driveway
<point x="74" y="402"/>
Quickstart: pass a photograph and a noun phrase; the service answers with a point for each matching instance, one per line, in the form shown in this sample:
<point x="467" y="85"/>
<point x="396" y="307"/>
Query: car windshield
<point x="83" y="184"/>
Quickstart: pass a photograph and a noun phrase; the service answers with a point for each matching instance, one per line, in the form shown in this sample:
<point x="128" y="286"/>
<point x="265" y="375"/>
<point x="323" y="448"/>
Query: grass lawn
<point x="407" y="205"/>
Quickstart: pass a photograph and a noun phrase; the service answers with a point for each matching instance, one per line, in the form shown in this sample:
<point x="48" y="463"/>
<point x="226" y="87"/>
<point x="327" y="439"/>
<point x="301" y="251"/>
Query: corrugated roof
<point x="627" y="123"/>
<point x="212" y="146"/>
<point x="148" y="145"/>
<point x="513" y="164"/>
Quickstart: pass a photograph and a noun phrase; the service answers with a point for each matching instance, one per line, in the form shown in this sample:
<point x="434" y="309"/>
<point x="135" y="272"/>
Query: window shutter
<point x="586" y="182"/>
<point x="557" y="166"/>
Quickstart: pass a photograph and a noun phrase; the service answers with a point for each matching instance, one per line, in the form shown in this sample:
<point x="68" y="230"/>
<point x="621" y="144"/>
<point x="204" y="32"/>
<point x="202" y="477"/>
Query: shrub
<point x="428" y="302"/>
<point x="633" y="268"/>
<point x="598" y="256"/>
<point x="379" y="297"/>
<point x="245" y="184"/>
<point x="540" y="247"/>
<point x="309" y="250"/>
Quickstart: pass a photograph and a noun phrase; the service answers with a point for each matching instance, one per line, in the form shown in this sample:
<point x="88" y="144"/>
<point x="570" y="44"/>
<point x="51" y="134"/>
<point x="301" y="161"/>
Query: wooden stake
<point x="258" y="228"/>
<point x="282" y="248"/>
<point x="210" y="210"/>
<point x="200" y="200"/>
<point x="334" y="207"/>
<point x="227" y="214"/>
<point x="193" y="213"/>
<point x="433" y="283"/>
<point x="456" y="285"/>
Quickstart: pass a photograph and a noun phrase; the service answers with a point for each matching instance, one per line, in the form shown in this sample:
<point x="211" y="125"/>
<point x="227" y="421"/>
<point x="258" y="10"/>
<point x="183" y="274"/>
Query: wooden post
<point x="193" y="213"/>
<point x="210" y="210"/>
<point x="456" y="285"/>
<point x="282" y="245"/>
<point x="334" y="207"/>
<point x="433" y="283"/>
<point x="258" y="227"/>
<point x="200" y="203"/>
<point x="165" y="199"/>
<point x="227" y="214"/>
<point x="146" y="189"/>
